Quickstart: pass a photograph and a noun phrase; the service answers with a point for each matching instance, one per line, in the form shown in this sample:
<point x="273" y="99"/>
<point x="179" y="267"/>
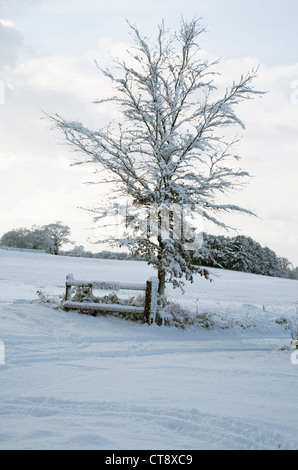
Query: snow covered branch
<point x="167" y="148"/>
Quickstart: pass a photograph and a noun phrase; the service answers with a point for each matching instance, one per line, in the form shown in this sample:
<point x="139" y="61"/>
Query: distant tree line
<point x="48" y="238"/>
<point x="79" y="251"/>
<point x="242" y="253"/>
<point x="239" y="253"/>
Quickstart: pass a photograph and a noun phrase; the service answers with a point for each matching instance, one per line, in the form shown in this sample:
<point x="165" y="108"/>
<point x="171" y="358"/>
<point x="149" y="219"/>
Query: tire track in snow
<point x="199" y="430"/>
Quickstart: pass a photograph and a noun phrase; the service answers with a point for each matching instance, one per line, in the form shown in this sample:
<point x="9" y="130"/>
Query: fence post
<point x="69" y="277"/>
<point x="151" y="299"/>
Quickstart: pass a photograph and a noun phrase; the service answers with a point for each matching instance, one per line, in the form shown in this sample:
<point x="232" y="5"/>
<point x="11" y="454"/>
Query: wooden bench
<point x="148" y="311"/>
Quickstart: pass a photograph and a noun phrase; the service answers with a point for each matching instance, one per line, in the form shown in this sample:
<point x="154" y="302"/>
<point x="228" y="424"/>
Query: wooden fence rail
<point x="150" y="288"/>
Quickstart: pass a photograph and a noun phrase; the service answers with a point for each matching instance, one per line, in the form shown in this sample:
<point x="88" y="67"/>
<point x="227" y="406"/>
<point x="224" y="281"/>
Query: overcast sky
<point x="47" y="53"/>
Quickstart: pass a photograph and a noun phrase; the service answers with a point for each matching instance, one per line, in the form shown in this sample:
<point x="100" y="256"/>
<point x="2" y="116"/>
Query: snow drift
<point x="72" y="381"/>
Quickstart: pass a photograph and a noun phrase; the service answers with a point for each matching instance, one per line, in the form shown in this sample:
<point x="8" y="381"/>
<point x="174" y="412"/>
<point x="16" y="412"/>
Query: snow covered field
<point x="71" y="381"/>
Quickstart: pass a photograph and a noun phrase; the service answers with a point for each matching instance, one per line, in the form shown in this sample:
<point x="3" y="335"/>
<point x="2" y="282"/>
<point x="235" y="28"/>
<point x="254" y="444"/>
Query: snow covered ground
<point x="72" y="381"/>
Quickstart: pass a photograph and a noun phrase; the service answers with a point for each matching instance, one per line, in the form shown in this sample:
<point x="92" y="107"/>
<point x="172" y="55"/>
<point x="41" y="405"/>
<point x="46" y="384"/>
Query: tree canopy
<point x="170" y="146"/>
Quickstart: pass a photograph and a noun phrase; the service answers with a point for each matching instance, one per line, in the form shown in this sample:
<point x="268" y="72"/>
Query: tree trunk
<point x="161" y="271"/>
<point x="162" y="282"/>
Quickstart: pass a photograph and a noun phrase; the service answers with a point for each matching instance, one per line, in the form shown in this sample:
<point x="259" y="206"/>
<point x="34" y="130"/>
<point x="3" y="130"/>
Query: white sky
<point x="47" y="52"/>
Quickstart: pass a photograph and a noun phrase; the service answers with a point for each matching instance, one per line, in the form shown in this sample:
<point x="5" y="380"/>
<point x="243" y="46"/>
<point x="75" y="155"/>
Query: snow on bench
<point x="150" y="288"/>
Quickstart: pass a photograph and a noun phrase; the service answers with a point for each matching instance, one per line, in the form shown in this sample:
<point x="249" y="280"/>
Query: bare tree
<point x="57" y="235"/>
<point x="46" y="237"/>
<point x="168" y="148"/>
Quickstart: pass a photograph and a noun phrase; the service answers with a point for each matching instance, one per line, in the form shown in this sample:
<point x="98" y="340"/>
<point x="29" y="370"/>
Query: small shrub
<point x="111" y="298"/>
<point x="138" y="301"/>
<point x="83" y="294"/>
<point x="291" y="325"/>
<point x="43" y="297"/>
<point x="171" y="313"/>
<point x="47" y="298"/>
<point x="282" y="321"/>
